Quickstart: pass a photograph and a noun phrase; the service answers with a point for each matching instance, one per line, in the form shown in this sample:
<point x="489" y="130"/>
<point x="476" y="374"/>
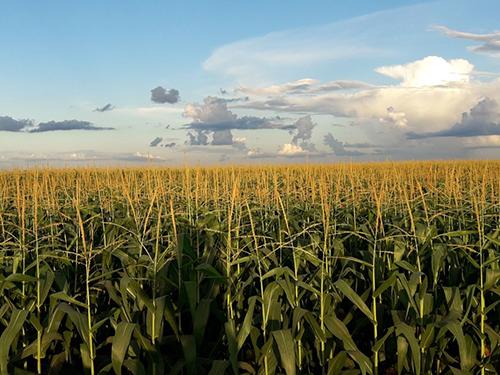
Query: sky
<point x="196" y="82"/>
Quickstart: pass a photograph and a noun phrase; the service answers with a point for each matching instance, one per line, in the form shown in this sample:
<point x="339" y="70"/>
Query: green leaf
<point x="244" y="330"/>
<point x="438" y="255"/>
<point x="210" y="272"/>
<point x="338" y="329"/>
<point x="232" y="345"/>
<point x="8" y="336"/>
<point x="408" y="332"/>
<point x="189" y="349"/>
<point x="119" y="345"/>
<point x="385" y="285"/>
<point x="380" y="342"/>
<point x="337" y="363"/>
<point x="201" y="318"/>
<point x="46" y="284"/>
<point x="354" y="298"/>
<point x="134" y="366"/>
<point x="285" y="343"/>
<point x="219" y="367"/>
<point x="492" y="278"/>
<point x="62" y="296"/>
<point x="18" y="278"/>
<point x="467" y="357"/>
<point x="402" y="351"/>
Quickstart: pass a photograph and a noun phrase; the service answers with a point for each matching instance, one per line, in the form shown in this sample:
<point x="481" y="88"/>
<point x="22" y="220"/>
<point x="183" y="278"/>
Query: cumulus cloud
<point x="290" y="149"/>
<point x="214" y="118"/>
<point x="482" y="120"/>
<point x="394" y="118"/>
<point x="222" y="138"/>
<point x="106" y="108"/>
<point x="303" y="133"/>
<point x="162" y="95"/>
<point x="8" y="124"/>
<point x="489" y="43"/>
<point x="304" y="127"/>
<point x="213" y="114"/>
<point x="197" y="138"/>
<point x="402" y="105"/>
<point x="430" y="71"/>
<point x="65" y="126"/>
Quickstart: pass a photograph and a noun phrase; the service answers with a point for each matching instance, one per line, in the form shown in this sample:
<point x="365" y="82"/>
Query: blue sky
<point x="257" y="81"/>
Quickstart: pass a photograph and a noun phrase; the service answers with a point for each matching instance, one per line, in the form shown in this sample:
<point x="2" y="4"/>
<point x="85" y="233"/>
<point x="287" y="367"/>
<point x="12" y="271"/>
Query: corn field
<point x="383" y="268"/>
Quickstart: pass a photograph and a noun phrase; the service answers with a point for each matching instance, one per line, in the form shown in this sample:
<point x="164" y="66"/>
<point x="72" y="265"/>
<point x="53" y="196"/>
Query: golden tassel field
<point x="376" y="268"/>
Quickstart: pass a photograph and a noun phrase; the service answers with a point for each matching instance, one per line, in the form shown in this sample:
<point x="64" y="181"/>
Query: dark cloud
<point x="28" y="126"/>
<point x="303" y="133"/>
<point x="162" y="142"/>
<point x="482" y="119"/>
<point x="155" y="142"/>
<point x="222" y="137"/>
<point x="242" y="123"/>
<point x="214" y="115"/>
<point x="8" y="124"/>
<point x="65" y="126"/>
<point x="338" y="147"/>
<point x="304" y="127"/>
<point x="304" y="87"/>
<point x="213" y="118"/>
<point x="490" y="43"/>
<point x="106" y="108"/>
<point x="359" y="145"/>
<point x="213" y="123"/>
<point x="162" y="96"/>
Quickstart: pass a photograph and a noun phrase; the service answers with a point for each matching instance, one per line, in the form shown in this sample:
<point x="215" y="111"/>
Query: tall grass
<point x="375" y="268"/>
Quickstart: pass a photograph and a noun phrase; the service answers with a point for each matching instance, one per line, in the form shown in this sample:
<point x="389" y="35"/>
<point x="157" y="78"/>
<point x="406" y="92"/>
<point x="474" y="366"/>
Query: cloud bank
<point x="28" y="126"/>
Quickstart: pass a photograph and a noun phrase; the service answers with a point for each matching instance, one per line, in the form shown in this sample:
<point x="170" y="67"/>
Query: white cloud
<point x="417" y="104"/>
<point x="290" y="149"/>
<point x="430" y="71"/>
<point x="254" y="152"/>
<point x="213" y="110"/>
<point x="394" y="118"/>
<point x="147" y="156"/>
